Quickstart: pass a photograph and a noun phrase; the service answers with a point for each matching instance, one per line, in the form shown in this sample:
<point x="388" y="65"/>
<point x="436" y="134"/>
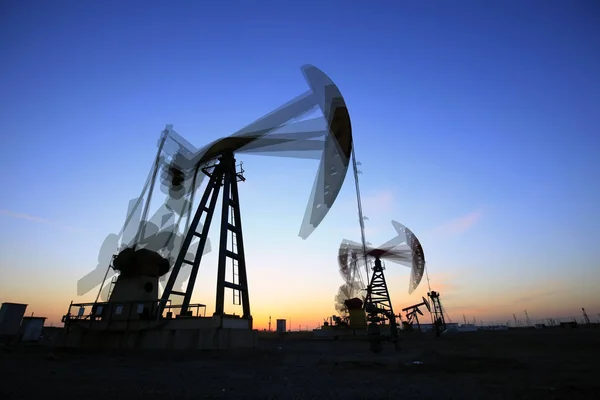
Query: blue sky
<point x="476" y="123"/>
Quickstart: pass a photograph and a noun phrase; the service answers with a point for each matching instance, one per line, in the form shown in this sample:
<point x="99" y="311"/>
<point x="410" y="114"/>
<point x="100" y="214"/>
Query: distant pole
<point x="465" y="319"/>
<point x="269" y="323"/>
<point x="361" y="218"/>
<point x="427" y="276"/>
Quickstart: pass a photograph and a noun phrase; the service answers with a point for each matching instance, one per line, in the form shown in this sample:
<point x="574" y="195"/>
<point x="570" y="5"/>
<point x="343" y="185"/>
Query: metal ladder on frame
<point x="237" y="298"/>
<point x="198" y="234"/>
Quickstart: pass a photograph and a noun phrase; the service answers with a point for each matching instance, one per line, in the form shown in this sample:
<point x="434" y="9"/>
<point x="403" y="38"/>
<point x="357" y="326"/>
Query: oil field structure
<point x="151" y="251"/>
<point x="373" y="310"/>
<point x="434" y="308"/>
<point x="363" y="301"/>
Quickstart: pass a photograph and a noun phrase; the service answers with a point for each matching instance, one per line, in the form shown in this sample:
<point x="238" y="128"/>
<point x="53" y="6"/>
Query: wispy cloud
<point x="381" y="202"/>
<point x="33" y="218"/>
<point x="532" y="295"/>
<point x="375" y="205"/>
<point x="450" y="284"/>
<point x="445" y="283"/>
<point x="458" y="225"/>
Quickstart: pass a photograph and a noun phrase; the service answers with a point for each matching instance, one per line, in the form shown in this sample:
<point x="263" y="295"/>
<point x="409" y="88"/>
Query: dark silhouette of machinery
<point x="334" y="161"/>
<point x="131" y="262"/>
<point x="437" y="313"/>
<point x="144" y="250"/>
<point x="412" y="314"/>
<point x="434" y="308"/>
<point x="403" y="249"/>
<point x="378" y="305"/>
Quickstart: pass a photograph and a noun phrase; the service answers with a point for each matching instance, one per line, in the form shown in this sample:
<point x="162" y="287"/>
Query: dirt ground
<point x="527" y="364"/>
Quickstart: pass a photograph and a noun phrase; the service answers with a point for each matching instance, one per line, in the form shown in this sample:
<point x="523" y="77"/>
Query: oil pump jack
<point x="413" y="312"/>
<point x="403" y="249"/>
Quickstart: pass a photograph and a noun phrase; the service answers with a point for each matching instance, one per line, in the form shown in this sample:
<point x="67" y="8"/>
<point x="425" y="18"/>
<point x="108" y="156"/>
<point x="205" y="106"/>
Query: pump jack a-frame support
<point x="224" y="174"/>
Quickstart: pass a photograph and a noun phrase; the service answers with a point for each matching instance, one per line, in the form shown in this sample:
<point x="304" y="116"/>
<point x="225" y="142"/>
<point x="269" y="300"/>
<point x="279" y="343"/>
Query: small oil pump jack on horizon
<point x="413" y="312"/>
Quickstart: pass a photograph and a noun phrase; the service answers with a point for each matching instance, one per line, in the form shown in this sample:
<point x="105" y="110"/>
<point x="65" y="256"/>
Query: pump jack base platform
<point x="197" y="333"/>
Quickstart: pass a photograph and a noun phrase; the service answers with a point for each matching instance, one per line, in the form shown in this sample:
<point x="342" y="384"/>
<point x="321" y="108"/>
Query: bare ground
<point x="531" y="364"/>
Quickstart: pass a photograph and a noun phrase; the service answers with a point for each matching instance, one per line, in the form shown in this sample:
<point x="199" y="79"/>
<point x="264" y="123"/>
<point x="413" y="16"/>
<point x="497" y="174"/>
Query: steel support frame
<point x="378" y="302"/>
<point x="377" y="291"/>
<point x="223" y="174"/>
<point x="439" y="322"/>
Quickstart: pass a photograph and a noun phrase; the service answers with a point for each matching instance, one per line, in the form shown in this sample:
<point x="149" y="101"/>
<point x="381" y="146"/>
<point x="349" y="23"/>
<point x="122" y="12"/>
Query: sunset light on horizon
<point x="476" y="127"/>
